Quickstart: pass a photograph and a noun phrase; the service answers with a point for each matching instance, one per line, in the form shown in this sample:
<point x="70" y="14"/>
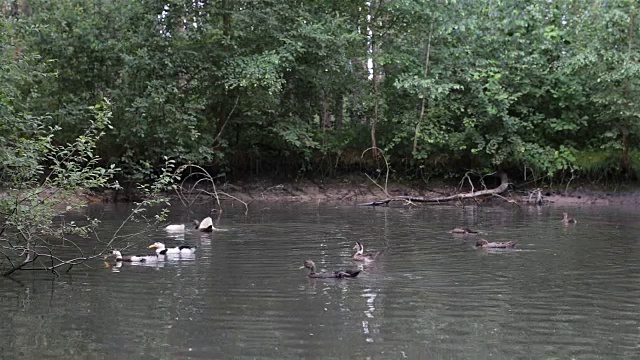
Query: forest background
<point x="542" y="90"/>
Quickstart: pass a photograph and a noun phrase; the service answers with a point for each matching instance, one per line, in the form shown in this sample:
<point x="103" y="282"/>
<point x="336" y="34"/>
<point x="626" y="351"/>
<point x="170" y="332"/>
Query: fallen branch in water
<point x="376" y="203"/>
<point x="504" y="184"/>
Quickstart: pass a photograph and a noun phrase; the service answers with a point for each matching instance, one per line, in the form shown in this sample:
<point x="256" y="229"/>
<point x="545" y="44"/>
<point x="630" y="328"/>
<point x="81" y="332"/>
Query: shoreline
<point x="361" y="192"/>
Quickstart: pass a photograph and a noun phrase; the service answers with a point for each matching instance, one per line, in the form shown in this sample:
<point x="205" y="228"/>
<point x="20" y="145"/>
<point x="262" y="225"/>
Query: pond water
<point x="568" y="292"/>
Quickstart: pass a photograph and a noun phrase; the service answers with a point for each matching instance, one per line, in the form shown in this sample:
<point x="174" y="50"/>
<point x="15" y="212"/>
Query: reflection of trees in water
<point x="36" y="324"/>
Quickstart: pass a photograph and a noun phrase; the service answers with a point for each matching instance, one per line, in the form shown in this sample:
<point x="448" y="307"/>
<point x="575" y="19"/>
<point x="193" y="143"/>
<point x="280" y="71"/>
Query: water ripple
<point x="570" y="292"/>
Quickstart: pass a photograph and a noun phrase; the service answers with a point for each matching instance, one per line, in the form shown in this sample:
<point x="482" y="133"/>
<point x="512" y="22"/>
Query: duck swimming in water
<point x="134" y="258"/>
<point x="175" y="228"/>
<point x="495" y="245"/>
<point x="464" y="230"/>
<point x="182" y="249"/>
<point x="206" y="225"/>
<point x="338" y="274"/>
<point x="568" y="220"/>
<point x="360" y="255"/>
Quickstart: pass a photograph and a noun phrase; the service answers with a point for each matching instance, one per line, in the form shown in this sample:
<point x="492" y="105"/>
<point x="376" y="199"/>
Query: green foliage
<point x="547" y="161"/>
<point x="243" y="86"/>
<point x="37" y="198"/>
<point x="600" y="166"/>
<point x="41" y="181"/>
<point x="296" y="135"/>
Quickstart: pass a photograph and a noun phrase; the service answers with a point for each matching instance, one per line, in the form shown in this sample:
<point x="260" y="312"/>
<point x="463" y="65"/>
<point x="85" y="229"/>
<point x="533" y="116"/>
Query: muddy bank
<point x="355" y="192"/>
<point x="596" y="197"/>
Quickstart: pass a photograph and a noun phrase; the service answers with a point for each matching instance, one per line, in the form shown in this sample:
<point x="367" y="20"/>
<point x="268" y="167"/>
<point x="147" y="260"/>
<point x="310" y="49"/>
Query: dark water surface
<point x="569" y="292"/>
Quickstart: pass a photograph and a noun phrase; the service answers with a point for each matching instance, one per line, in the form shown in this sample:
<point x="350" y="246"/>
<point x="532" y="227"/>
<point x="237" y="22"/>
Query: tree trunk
<point x="375" y="76"/>
<point x="226" y="32"/>
<point x="424" y="95"/>
<point x="326" y="112"/>
<point x="338" y="104"/>
<point x="627" y="92"/>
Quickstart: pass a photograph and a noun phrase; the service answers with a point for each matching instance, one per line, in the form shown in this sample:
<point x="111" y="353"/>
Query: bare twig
<point x="185" y="191"/>
<point x="505" y="199"/>
<point x="386" y="179"/>
<point x="226" y="121"/>
<point x="566" y="189"/>
<point x="468" y="178"/>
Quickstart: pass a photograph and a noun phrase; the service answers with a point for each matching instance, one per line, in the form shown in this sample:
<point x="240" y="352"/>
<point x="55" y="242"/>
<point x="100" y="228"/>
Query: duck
<point x="182" y="249"/>
<point x="206" y="225"/>
<point x="133" y="258"/>
<point x="338" y="274"/>
<point x="464" y="230"/>
<point x="360" y="255"/>
<point x="495" y="245"/>
<point x="175" y="228"/>
<point x="567" y="220"/>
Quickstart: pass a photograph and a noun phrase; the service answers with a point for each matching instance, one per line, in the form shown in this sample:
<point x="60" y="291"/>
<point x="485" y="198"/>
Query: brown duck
<point x="464" y="230"/>
<point x="495" y="245"/>
<point x="568" y="220"/>
<point x="338" y="274"/>
<point x="360" y="255"/>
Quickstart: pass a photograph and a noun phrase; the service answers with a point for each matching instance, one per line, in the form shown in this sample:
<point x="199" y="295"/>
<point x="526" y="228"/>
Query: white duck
<point x="175" y="228"/>
<point x="182" y="249"/>
<point x="206" y="225"/>
<point x="134" y="258"/>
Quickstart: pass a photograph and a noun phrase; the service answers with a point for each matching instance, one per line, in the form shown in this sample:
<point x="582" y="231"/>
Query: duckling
<point x="567" y="220"/>
<point x="361" y="256"/>
<point x="338" y="274"/>
<point x="464" y="230"/>
<point x="495" y="245"/>
<point x="182" y="249"/>
<point x="133" y="258"/>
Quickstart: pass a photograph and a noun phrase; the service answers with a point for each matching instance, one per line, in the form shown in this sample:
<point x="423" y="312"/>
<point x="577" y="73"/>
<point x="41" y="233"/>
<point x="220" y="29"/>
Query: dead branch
<point x="504" y="184"/>
<point x="186" y="193"/>
<point x="376" y="203"/>
<point x="386" y="179"/>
